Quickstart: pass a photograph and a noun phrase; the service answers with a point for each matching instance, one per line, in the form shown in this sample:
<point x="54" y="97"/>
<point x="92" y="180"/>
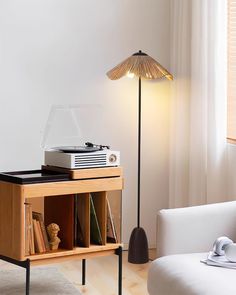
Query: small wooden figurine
<point x="53" y="230"/>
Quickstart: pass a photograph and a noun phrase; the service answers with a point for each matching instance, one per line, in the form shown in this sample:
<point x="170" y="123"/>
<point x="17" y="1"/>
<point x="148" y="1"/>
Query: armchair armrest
<point x="194" y="229"/>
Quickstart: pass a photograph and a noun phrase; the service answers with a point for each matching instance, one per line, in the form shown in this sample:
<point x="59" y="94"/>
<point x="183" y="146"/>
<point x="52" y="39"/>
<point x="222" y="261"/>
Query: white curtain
<point x="198" y="152"/>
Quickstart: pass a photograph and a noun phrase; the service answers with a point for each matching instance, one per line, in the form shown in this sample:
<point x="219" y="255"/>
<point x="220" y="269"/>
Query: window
<point x="231" y="116"/>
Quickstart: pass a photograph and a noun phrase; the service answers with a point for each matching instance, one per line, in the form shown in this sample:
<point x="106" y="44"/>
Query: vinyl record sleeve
<point x="95" y="233"/>
<point x="111" y="231"/>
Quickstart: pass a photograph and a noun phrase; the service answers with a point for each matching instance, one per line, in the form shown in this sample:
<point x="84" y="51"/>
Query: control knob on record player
<point x="112" y="158"/>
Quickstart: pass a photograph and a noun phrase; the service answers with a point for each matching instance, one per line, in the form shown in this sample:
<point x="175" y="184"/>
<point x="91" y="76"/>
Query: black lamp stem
<point x="138" y="244"/>
<point x="139" y="148"/>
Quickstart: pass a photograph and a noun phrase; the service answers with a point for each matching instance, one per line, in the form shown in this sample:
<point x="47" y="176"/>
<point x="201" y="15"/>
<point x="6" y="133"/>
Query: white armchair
<point x="184" y="236"/>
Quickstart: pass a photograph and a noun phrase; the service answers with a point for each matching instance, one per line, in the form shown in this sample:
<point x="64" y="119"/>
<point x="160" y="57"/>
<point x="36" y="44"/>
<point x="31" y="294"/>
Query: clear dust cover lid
<point x="73" y="126"/>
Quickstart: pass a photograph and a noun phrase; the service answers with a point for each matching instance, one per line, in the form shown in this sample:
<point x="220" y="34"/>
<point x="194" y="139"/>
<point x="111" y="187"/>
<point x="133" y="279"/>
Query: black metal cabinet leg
<point x="119" y="253"/>
<point x="120" y="273"/>
<point x="25" y="264"/>
<point x="27" y="277"/>
<point x="83" y="271"/>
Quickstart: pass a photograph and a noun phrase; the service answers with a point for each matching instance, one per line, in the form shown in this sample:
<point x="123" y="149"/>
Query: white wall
<point x="57" y="52"/>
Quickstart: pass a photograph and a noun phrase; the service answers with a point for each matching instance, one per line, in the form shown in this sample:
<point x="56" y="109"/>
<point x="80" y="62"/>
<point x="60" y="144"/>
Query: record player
<point x="65" y="144"/>
<point x="77" y="157"/>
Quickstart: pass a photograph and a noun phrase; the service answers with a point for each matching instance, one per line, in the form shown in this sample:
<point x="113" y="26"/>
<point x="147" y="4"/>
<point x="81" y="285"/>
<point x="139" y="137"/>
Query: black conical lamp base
<point x="138" y="246"/>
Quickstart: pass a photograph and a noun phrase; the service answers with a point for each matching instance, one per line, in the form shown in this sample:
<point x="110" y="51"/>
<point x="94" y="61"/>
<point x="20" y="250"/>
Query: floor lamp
<point x="143" y="66"/>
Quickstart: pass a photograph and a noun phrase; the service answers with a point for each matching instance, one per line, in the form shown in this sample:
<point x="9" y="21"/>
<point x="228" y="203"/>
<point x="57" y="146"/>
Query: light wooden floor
<point x="101" y="275"/>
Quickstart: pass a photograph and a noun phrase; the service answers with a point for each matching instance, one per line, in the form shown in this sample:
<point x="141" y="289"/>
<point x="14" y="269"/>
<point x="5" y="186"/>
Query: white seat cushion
<point x="184" y="274"/>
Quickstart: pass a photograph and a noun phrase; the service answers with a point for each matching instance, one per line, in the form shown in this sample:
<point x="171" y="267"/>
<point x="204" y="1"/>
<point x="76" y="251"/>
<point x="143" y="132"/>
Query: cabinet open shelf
<point x="71" y="212"/>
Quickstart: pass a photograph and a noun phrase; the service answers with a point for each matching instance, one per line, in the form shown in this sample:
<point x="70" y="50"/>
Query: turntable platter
<point x="77" y="149"/>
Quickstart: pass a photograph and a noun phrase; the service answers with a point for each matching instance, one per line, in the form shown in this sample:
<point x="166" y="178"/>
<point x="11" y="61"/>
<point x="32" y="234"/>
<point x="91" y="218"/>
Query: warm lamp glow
<point x="169" y="77"/>
<point x="129" y="74"/>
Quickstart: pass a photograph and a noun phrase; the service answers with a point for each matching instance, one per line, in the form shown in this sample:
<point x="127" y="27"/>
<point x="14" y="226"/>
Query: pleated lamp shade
<point x="141" y="65"/>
